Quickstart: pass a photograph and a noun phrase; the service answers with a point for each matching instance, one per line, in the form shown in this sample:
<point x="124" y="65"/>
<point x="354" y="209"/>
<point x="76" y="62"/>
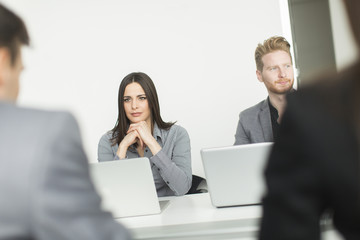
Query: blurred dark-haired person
<point x="46" y="192"/>
<point x="260" y="123"/>
<point x="314" y="167"/>
<point x="141" y="132"/>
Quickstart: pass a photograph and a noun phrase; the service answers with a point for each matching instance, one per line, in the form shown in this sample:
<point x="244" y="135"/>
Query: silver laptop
<point x="234" y="174"/>
<point x="126" y="186"/>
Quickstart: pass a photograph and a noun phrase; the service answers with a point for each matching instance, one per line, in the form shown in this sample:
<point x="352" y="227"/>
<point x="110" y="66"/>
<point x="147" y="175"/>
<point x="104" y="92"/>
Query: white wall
<point x="344" y="43"/>
<point x="199" y="53"/>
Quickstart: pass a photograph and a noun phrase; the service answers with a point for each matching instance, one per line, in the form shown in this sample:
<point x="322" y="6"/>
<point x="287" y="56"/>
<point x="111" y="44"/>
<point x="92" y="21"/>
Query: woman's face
<point x="136" y="104"/>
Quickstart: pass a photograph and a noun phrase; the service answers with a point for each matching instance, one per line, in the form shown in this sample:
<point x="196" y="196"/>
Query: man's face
<point x="277" y="73"/>
<point x="10" y="76"/>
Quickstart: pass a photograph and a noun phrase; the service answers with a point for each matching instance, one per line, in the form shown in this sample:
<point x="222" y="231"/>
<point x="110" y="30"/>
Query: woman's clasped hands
<point x="139" y="133"/>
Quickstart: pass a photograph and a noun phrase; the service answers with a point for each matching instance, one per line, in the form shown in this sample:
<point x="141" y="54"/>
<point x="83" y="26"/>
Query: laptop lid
<point x="234" y="174"/>
<point x="126" y="186"/>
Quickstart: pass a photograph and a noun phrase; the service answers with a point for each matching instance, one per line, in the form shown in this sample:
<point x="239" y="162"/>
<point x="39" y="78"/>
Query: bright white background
<point x="344" y="43"/>
<point x="199" y="53"/>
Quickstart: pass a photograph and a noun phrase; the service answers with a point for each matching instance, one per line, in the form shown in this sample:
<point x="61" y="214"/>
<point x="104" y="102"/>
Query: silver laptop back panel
<point x="234" y="174"/>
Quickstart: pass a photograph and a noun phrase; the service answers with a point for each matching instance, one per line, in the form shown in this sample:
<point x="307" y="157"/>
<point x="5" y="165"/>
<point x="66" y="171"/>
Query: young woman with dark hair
<point x="140" y="132"/>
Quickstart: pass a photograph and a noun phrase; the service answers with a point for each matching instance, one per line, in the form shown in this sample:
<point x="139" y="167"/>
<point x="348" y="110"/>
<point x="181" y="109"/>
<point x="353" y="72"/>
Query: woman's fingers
<point x="143" y="131"/>
<point x="134" y="137"/>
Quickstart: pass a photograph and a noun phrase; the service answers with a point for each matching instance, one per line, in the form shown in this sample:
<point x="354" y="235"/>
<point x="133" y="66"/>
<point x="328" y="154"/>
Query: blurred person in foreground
<point x="314" y="164"/>
<point x="46" y="191"/>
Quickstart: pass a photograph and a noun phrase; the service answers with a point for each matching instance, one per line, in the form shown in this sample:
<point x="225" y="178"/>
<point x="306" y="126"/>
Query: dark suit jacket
<point x="45" y="187"/>
<point x="314" y="165"/>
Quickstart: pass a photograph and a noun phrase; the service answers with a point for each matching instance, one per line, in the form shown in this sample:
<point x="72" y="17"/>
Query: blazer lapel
<point x="265" y="121"/>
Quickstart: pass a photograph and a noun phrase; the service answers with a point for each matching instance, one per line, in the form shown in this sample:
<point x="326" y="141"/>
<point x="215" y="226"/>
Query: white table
<point x="193" y="217"/>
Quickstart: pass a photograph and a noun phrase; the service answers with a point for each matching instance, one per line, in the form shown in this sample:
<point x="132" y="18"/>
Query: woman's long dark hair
<point x="122" y="123"/>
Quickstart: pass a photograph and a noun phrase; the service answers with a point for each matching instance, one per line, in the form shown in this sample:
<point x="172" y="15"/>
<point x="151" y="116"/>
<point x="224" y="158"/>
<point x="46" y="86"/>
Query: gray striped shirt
<point x="171" y="166"/>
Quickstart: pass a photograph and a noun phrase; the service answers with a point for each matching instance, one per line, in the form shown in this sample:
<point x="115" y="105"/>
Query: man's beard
<point x="280" y="90"/>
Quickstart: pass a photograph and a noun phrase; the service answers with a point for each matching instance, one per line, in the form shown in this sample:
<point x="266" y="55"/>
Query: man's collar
<point x="272" y="108"/>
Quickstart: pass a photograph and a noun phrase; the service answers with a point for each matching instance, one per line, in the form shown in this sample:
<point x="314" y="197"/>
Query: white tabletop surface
<point x="193" y="217"/>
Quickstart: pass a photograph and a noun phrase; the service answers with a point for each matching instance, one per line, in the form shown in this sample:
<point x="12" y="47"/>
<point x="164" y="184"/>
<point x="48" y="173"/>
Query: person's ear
<point x="259" y="76"/>
<point x="4" y="62"/>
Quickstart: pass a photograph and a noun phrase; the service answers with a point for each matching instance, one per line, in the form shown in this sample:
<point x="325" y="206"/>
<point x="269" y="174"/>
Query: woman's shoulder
<point x="174" y="130"/>
<point x="178" y="131"/>
<point x="106" y="137"/>
<point x="174" y="135"/>
<point x="177" y="128"/>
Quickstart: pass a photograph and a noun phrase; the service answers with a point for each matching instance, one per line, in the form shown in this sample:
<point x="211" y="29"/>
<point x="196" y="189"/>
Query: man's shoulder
<point x="31" y="117"/>
<point x="10" y="110"/>
<point x="251" y="111"/>
<point x="37" y="133"/>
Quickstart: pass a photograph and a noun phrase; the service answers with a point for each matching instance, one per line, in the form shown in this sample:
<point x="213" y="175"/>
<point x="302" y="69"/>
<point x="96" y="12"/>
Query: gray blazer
<point x="46" y="192"/>
<point x="254" y="125"/>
